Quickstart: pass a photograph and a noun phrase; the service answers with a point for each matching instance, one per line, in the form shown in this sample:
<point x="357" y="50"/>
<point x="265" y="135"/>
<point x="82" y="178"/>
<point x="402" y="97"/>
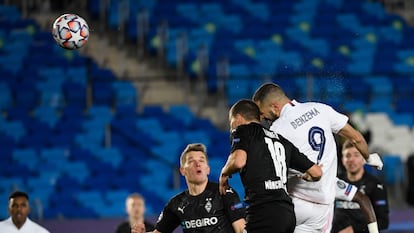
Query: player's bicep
<point x="238" y="158"/>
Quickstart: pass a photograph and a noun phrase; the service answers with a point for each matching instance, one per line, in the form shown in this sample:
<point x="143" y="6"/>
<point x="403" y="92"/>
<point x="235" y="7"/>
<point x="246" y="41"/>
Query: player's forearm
<point x="383" y="221"/>
<point x="356" y="138"/>
<point x="239" y="225"/>
<point x="362" y="146"/>
<point x="366" y="207"/>
<point x="229" y="168"/>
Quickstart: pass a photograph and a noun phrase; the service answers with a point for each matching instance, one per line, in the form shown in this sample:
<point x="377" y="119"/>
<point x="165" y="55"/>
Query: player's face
<point x="267" y="111"/>
<point x="195" y="168"/>
<point x="19" y="209"/>
<point x="352" y="160"/>
<point x="135" y="207"/>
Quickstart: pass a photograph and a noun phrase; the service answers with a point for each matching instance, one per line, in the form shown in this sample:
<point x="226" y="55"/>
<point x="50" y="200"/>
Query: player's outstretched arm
<point x="356" y="138"/>
<point x="360" y="143"/>
<point x="368" y="211"/>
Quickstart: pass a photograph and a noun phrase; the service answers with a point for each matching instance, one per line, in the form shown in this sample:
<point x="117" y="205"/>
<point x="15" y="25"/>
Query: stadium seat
<point x="393" y="169"/>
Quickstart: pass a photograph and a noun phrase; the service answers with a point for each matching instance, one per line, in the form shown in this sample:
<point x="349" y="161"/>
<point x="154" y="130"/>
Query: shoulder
<point x="319" y="105"/>
<point x="37" y="227"/>
<point x="244" y="128"/>
<point x="3" y="224"/>
<point x="177" y="199"/>
<point x="123" y="224"/>
<point x="212" y="189"/>
<point x="371" y="179"/>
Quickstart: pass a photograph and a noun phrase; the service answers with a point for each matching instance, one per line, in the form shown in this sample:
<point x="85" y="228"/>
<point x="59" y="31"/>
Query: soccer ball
<point x="70" y="31"/>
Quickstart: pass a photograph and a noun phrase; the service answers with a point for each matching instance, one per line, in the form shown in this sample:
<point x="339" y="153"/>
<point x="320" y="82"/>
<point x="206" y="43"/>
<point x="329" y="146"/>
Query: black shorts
<point x="274" y="217"/>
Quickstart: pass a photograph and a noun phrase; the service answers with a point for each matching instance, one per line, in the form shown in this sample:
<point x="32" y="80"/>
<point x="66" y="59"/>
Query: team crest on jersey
<point x="208" y="205"/>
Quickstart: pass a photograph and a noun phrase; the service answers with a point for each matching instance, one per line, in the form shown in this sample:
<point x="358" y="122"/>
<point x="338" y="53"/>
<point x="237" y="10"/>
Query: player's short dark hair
<point x="262" y="93"/>
<point x="18" y="194"/>
<point x="192" y="147"/>
<point x="247" y="109"/>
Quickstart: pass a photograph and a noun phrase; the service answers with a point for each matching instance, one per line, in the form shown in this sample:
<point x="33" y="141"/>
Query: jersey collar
<point x="288" y="106"/>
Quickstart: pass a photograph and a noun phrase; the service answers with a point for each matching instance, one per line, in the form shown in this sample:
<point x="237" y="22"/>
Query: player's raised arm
<point x="356" y="138"/>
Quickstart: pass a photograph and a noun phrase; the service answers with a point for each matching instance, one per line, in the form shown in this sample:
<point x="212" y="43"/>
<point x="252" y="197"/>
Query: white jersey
<point x="310" y="127"/>
<point x="28" y="227"/>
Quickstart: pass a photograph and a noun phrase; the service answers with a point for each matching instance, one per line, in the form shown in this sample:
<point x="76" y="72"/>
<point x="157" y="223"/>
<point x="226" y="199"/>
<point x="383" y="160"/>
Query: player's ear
<point x="182" y="171"/>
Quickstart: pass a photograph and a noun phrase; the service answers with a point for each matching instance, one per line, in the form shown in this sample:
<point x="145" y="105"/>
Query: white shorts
<point x="344" y="191"/>
<point x="312" y="217"/>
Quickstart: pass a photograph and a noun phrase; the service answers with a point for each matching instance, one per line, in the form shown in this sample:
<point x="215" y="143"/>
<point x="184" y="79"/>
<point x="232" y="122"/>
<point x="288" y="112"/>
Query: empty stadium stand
<point x="81" y="159"/>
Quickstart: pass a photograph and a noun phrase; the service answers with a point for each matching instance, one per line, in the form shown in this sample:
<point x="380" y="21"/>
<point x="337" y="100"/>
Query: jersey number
<point x="277" y="151"/>
<point x="317" y="140"/>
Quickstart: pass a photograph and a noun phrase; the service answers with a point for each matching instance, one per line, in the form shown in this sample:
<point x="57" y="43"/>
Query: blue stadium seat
<point x="181" y="112"/>
<point x="393" y="169"/>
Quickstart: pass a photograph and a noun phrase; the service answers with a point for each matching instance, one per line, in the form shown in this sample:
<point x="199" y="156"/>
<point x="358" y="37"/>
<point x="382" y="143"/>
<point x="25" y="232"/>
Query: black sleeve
<point x="167" y="221"/>
<point x="240" y="139"/>
<point x="123" y="227"/>
<point x="149" y="226"/>
<point x="379" y="201"/>
<point x="298" y="161"/>
<point x="233" y="207"/>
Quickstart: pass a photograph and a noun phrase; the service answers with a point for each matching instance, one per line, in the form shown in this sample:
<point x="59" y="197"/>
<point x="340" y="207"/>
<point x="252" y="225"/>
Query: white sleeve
<point x="338" y="120"/>
<point x="344" y="190"/>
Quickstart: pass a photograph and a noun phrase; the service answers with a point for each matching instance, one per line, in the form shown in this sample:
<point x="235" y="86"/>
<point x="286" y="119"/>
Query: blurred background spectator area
<point x="80" y="130"/>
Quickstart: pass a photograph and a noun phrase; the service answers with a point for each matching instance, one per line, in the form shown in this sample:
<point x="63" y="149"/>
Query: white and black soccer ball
<point x="70" y="31"/>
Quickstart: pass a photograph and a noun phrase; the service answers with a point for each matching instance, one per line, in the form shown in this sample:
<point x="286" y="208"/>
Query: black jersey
<point x="348" y="213"/>
<point x="125" y="227"/>
<point x="206" y="212"/>
<point x="269" y="156"/>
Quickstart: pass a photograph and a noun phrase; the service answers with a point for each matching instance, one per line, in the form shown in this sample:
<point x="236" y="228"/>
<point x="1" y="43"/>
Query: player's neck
<point x="355" y="176"/>
<point x="18" y="224"/>
<point x="196" y="189"/>
<point x="133" y="221"/>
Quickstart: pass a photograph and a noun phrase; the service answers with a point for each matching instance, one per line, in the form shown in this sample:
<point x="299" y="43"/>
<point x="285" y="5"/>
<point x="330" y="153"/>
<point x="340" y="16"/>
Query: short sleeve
<point x="167" y="220"/>
<point x="338" y="120"/>
<point x="240" y="139"/>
